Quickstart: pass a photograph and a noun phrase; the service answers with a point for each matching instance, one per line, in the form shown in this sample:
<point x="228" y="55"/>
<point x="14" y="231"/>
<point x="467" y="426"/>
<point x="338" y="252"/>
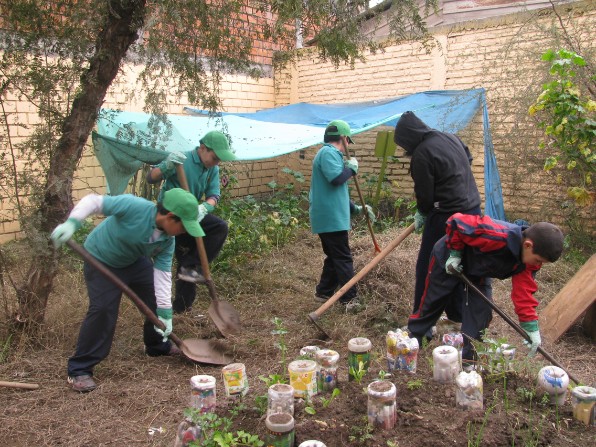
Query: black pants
<point x="187" y="255"/>
<point x="442" y="289"/>
<point x="434" y="229"/>
<point x="338" y="267"/>
<point x="98" y="327"/>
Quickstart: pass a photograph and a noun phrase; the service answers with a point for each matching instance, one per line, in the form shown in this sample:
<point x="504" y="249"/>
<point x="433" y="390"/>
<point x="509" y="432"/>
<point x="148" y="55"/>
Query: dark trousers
<point x="98" y="327"/>
<point x="442" y="289"/>
<point x="187" y="255"/>
<point x="434" y="229"/>
<point x="338" y="267"/>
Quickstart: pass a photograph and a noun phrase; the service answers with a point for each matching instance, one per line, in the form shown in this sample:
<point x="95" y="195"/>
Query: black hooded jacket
<point x="440" y="167"/>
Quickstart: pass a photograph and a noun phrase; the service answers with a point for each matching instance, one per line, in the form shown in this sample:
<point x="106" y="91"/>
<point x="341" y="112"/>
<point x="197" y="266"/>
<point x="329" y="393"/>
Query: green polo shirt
<point x="123" y="237"/>
<point x="329" y="204"/>
<point x="202" y="181"/>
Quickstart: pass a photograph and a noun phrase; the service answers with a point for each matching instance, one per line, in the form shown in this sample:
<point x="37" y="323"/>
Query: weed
<point x="358" y="374"/>
<point x="281" y="331"/>
<point x="383" y="375"/>
<point x="361" y="434"/>
<point x="216" y="430"/>
<point x="327" y="401"/>
<point x="475" y="434"/>
<point x="309" y="407"/>
<point x="5" y="349"/>
<point x="415" y="384"/>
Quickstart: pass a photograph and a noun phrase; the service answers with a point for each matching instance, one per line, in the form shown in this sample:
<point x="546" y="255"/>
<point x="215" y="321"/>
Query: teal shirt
<point x="123" y="237"/>
<point x="202" y="181"/>
<point x="329" y="204"/>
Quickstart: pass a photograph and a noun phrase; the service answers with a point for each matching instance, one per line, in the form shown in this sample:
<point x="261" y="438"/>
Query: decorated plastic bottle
<point x="553" y="381"/>
<point x="583" y="401"/>
<point x="327" y="360"/>
<point x="455" y="339"/>
<point x="235" y="379"/>
<point x="280" y="399"/>
<point x="281" y="430"/>
<point x="202" y="394"/>
<point x="507" y="355"/>
<point x="309" y="351"/>
<point x="312" y="443"/>
<point x="303" y="378"/>
<point x="469" y="391"/>
<point x="382" y="408"/>
<point x="445" y="364"/>
<point x="186" y="433"/>
<point x="358" y="356"/>
<point x="402" y="351"/>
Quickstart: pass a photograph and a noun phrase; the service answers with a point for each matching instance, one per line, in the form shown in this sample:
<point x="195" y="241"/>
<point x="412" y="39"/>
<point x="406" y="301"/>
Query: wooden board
<point x="570" y="303"/>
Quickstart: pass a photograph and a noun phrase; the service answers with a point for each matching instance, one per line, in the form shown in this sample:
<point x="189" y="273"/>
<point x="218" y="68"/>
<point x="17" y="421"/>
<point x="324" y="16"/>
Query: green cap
<point x="218" y="143"/>
<point x="184" y="205"/>
<point x="339" y="128"/>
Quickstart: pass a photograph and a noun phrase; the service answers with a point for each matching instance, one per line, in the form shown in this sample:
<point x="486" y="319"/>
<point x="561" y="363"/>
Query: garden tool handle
<point x="123" y="287"/>
<point x="361" y="197"/>
<point x="367" y="268"/>
<point x="510" y="321"/>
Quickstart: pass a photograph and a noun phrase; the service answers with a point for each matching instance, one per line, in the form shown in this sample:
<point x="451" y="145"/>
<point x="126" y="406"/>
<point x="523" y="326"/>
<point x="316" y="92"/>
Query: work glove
<point x="454" y="262"/>
<point x="204" y="209"/>
<point x="173" y="159"/>
<point x="352" y="163"/>
<point x="419" y="219"/>
<point x="531" y="328"/>
<point x="64" y="231"/>
<point x="371" y="214"/>
<point x="165" y="316"/>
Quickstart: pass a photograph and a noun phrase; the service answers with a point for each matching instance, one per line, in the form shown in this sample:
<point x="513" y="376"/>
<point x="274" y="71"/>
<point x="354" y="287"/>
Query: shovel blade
<point x="225" y="317"/>
<point x="205" y="351"/>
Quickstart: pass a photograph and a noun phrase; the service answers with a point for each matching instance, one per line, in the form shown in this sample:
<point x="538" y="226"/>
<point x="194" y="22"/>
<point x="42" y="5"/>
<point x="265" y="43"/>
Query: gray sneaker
<point x="190" y="275"/>
<point x="320" y="297"/>
<point x="82" y="384"/>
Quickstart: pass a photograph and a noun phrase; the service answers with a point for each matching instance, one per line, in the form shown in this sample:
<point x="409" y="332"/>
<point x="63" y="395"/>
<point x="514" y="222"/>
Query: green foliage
<point x="358" y="374"/>
<point x="415" y="384"/>
<point x="568" y="116"/>
<point x="327" y="401"/>
<point x="216" y="431"/>
<point x="361" y="434"/>
<point x="474" y="433"/>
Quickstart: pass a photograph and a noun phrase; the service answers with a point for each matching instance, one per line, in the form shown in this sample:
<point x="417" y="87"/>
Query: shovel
<point x="223" y="314"/>
<point x="508" y="319"/>
<point x="314" y="316"/>
<point x="201" y="351"/>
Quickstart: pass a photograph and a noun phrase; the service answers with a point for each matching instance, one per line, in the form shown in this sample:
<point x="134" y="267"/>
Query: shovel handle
<point x="367" y="268"/>
<point x="21" y="385"/>
<point x="361" y="197"/>
<point x="123" y="287"/>
<point x="512" y="323"/>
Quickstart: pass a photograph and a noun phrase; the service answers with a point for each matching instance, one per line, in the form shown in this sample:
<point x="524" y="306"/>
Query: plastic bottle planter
<point x="455" y="339"/>
<point x="402" y="351"/>
<point x="303" y="378"/>
<point x="327" y="360"/>
<point x="309" y="352"/>
<point x="186" y="433"/>
<point x="553" y="381"/>
<point x="358" y="353"/>
<point x="235" y="379"/>
<point x="469" y="392"/>
<point x="312" y="443"/>
<point x="507" y="355"/>
<point x="583" y="400"/>
<point x="382" y="410"/>
<point x="280" y="399"/>
<point x="281" y="430"/>
<point x="445" y="364"/>
<point x="202" y="394"/>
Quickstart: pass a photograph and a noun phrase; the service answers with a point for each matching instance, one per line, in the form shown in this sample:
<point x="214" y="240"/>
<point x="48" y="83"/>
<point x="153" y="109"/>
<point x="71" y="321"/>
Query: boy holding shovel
<point x="136" y="243"/>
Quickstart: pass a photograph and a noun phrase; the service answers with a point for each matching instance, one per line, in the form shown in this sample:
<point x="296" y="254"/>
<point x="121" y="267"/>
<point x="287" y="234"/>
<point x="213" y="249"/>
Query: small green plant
<point x="216" y="431"/>
<point x="361" y="434"/>
<point x="383" y="375"/>
<point x="475" y="434"/>
<point x="280" y="331"/>
<point x="327" y="401"/>
<point x="415" y="384"/>
<point x="358" y="374"/>
<point x="309" y="407"/>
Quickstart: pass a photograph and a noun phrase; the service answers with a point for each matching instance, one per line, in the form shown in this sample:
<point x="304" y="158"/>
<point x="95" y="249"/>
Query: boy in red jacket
<point x="483" y="248"/>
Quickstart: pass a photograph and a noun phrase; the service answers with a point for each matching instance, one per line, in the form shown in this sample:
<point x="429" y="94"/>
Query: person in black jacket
<point x="443" y="185"/>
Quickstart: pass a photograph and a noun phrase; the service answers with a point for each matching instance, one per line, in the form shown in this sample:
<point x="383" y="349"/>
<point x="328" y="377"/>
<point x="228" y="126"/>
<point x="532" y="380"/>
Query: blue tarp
<point x="282" y="130"/>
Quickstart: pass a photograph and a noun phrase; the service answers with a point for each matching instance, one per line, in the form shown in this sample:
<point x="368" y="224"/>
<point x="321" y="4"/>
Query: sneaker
<point x="189" y="274"/>
<point x="321" y="297"/>
<point x="82" y="384"/>
<point x="174" y="350"/>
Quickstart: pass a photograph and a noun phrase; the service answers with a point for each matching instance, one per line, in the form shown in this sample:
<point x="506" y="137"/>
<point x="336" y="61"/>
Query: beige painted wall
<point x="501" y="55"/>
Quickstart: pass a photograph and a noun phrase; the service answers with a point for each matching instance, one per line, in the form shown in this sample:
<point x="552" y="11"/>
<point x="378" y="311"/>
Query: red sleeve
<point x="476" y="231"/>
<point x="523" y="287"/>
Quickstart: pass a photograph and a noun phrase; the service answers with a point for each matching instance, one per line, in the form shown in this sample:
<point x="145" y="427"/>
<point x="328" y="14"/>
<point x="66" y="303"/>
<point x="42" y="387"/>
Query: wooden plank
<point x="570" y="303"/>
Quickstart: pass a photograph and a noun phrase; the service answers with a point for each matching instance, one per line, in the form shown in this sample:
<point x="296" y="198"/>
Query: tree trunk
<point x="119" y="32"/>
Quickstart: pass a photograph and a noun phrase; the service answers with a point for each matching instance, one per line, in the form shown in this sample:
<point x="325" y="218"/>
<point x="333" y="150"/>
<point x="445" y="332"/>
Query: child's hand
<point x="453" y="263"/>
<point x="531" y="328"/>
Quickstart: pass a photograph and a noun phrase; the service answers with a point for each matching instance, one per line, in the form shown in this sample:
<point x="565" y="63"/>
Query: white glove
<point x="531" y="328"/>
<point x="165" y="316"/>
<point x="418" y="221"/>
<point x="352" y="163"/>
<point x="64" y="231"/>
<point x="203" y="211"/>
<point x="454" y="262"/>
<point x="371" y="213"/>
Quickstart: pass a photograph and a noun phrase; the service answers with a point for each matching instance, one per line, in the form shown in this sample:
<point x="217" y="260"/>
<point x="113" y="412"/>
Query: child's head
<point x="544" y="241"/>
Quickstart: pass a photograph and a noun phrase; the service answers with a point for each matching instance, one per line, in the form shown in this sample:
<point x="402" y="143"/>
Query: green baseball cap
<point x="339" y="128"/>
<point x="218" y="143"/>
<point x="184" y="205"/>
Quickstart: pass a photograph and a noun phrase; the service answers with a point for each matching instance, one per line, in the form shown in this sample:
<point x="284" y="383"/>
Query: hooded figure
<point x="443" y="185"/>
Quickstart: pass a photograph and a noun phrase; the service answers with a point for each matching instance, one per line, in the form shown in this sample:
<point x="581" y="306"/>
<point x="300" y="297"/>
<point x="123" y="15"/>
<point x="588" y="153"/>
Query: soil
<point x="140" y="400"/>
